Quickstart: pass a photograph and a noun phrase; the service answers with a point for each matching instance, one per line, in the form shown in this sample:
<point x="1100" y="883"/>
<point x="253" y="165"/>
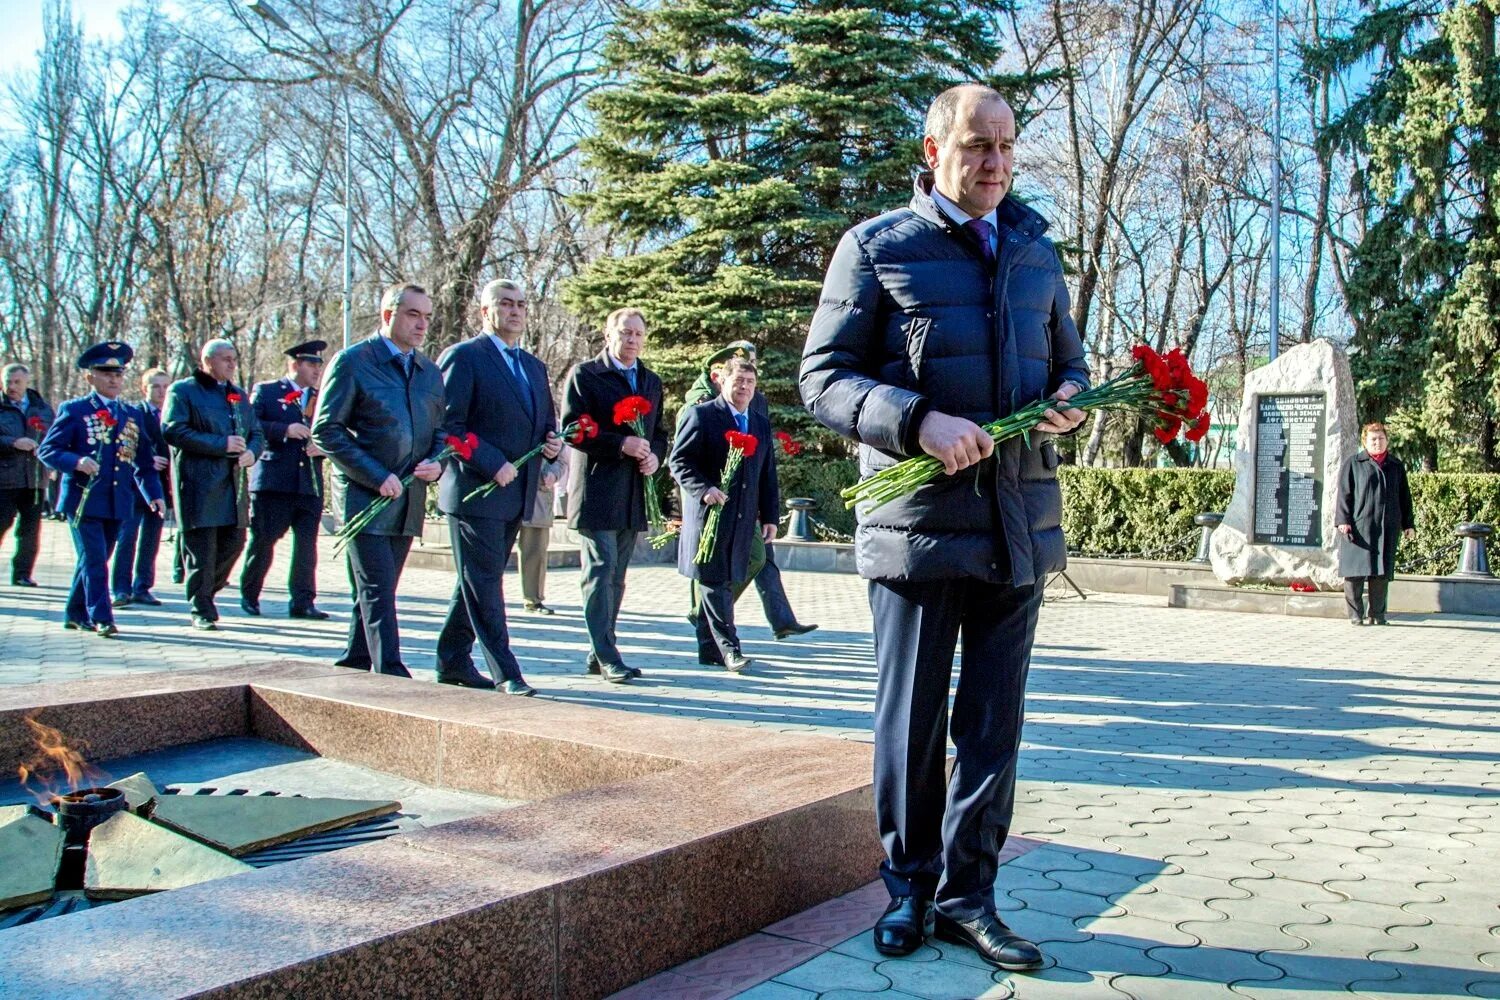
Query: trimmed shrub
<point x="1118" y="511"/>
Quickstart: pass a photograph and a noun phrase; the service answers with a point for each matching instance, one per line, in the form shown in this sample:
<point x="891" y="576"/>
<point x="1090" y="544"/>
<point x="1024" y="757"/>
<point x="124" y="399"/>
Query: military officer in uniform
<point x="286" y="485"/>
<point x="99" y="447"/>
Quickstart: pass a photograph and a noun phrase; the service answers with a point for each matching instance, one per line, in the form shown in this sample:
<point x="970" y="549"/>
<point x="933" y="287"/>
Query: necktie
<point x="982" y="231"/>
<point x="742" y="422"/>
<point x="630" y="377"/>
<point x="406" y="364"/>
<point x="308" y="395"/>
<point x="513" y="358"/>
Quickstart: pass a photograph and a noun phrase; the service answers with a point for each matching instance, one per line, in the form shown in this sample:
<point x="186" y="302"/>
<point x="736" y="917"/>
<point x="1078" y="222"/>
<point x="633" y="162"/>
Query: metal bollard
<point x="1472" y="558"/>
<point x="799" y="527"/>
<point x="1207" y="522"/>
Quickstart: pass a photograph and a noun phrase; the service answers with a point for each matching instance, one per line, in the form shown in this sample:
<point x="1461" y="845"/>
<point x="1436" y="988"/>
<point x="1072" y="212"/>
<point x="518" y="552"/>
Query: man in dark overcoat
<point x="215" y="437"/>
<point x="935" y="319"/>
<point x="499" y="392"/>
<point x="381" y="419"/>
<point x="286" y="485"/>
<point x="1373" y="511"/>
<point x="748" y="505"/>
<point x="105" y="460"/>
<point x="24" y="420"/>
<point x="607" y="480"/>
<point x="134" y="571"/>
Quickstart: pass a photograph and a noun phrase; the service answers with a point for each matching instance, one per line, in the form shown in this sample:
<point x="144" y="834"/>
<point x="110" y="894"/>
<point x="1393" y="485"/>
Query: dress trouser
<point x="778" y="609"/>
<point x="716" y="632"/>
<point x="271" y="514"/>
<point x="1354" y="596"/>
<point x="533" y="543"/>
<point x="942" y="836"/>
<point x="134" y="570"/>
<point x="208" y="554"/>
<point x="375" y="564"/>
<point x="605" y="557"/>
<point x="22" y="505"/>
<point x="481" y="549"/>
<point x="88" y="597"/>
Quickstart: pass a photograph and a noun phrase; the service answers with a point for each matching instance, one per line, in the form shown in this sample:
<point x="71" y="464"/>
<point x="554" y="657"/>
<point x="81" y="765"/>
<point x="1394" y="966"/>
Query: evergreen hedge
<point x="1119" y="511"/>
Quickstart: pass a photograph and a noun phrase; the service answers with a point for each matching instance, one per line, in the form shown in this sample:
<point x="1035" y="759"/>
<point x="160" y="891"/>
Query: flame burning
<point x="56" y="768"/>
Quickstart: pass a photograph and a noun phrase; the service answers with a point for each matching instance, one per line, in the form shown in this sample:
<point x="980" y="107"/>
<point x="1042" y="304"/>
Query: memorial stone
<point x="1297" y="424"/>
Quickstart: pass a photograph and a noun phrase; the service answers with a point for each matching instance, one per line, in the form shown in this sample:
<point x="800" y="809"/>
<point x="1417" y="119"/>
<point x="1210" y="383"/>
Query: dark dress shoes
<point x="204" y="624"/>
<point x="121" y="601"/>
<point x="106" y="631"/>
<point x="995" y="942"/>
<point x="250" y="607"/>
<point x="904" y="925"/>
<point x="538" y="608"/>
<point x="710" y="657"/>
<point x="310" y="613"/>
<point x="519" y="688"/>
<point x="472" y="679"/>
<point x="23" y="581"/>
<point x="591" y="664"/>
<point x="795" y="628"/>
<point x="397" y="670"/>
<point x="74" y="625"/>
<point x="737" y="661"/>
<point x="1379" y="621"/>
<point x="145" y="597"/>
<point x="615" y="673"/>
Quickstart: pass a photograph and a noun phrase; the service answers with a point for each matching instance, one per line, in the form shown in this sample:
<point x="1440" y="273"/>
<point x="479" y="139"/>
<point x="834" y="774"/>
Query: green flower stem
<point x="710" y="534"/>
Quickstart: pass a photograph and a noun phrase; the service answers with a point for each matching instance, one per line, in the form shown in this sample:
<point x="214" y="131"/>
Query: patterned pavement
<point x="1214" y="804"/>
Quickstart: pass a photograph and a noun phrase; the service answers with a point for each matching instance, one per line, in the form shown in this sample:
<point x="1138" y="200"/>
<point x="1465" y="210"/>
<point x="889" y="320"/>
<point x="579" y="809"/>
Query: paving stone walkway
<point x="1214" y="804"/>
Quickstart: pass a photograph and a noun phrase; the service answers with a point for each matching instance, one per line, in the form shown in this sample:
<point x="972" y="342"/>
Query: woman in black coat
<point x="1374" y="508"/>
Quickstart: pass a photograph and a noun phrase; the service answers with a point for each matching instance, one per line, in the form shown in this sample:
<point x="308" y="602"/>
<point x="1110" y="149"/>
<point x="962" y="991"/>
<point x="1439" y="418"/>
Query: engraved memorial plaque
<point x="1288" y="499"/>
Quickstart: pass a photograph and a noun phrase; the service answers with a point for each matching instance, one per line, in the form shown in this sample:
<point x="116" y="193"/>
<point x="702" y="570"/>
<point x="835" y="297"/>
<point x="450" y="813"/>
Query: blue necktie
<point x="630" y="377"/>
<point x="513" y="358"/>
<point x="742" y="422"/>
<point x="982" y="231"/>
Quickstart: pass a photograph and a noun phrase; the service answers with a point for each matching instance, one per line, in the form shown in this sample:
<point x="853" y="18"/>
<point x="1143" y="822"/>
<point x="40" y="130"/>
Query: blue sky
<point x="22" y="36"/>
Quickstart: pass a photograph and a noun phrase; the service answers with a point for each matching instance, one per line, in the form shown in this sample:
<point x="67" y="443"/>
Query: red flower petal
<point x="1198" y="430"/>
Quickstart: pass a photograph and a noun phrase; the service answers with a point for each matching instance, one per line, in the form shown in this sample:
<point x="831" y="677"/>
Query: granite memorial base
<point x="644" y="841"/>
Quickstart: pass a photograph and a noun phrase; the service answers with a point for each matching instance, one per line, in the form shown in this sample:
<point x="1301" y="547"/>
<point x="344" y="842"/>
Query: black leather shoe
<point x="1356" y="621"/>
<point x="145" y="597"/>
<point x="312" y="614"/>
<point x="1379" y="621"/>
<point x="473" y="679"/>
<point x="23" y="581"/>
<point x="995" y="942"/>
<point x="74" y="625"/>
<point x="397" y="670"/>
<point x="106" y="631"/>
<point x="615" y="673"/>
<point x="204" y="625"/>
<point x="122" y="601"/>
<point x="904" y="925"/>
<point x="634" y="672"/>
<point x="591" y="664"/>
<point x="250" y="607"/>
<point x="736" y="662"/>
<point x="710" y="659"/>
<point x="538" y="608"/>
<point x="519" y="688"/>
<point x="795" y="628"/>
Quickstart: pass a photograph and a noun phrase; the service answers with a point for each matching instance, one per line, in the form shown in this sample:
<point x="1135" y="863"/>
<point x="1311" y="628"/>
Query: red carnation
<point x="463" y="447"/>
<point x="789" y="445"/>
<point x="1198" y="429"/>
<point x="746" y="443"/>
<point x="1197" y="394"/>
<point x="1177" y="367"/>
<point x="37" y="424"/>
<point x="104" y="418"/>
<point x="630" y="409"/>
<point x="293" y="398"/>
<point x="1166" y="430"/>
<point x="234" y="398"/>
<point x="578" y="430"/>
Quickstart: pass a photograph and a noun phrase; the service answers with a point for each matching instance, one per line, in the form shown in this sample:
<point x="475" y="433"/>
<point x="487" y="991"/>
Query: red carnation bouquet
<point x="107" y="422"/>
<point x="577" y="431"/>
<point x="463" y="447"/>
<point x="293" y="398"/>
<point x="740" y="447"/>
<point x="790" y="446"/>
<point x="631" y="412"/>
<point x="38" y="428"/>
<point x="1161" y="386"/>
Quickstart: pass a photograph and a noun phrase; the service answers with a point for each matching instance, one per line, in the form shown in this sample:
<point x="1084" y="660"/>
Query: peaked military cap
<point x="111" y="356"/>
<point x="310" y="351"/>
<point x="738" y="348"/>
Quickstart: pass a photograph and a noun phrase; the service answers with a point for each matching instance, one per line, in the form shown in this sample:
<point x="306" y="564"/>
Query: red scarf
<point x="1379" y="458"/>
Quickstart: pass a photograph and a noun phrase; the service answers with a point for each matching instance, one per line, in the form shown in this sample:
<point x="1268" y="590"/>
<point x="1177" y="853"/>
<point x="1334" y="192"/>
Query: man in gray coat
<point x="935" y="319"/>
<point x="381" y="419"/>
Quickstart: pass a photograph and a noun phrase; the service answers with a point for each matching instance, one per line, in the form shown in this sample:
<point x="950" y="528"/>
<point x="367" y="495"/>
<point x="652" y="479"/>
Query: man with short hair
<point x="748" y="505"/>
<point x="98" y="446"/>
<point x="380" y="420"/>
<point x="608" y="479"/>
<point x="215" y="437"/>
<point x="763" y="569"/>
<point x="134" y="572"/>
<point x="500" y="393"/>
<point x="935" y="319"/>
<point x="24" y="420"/>
<point x="286" y="485"/>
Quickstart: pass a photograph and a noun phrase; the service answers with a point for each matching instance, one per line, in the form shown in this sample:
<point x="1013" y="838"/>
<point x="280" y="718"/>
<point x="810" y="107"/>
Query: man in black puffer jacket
<point x="934" y="319"/>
